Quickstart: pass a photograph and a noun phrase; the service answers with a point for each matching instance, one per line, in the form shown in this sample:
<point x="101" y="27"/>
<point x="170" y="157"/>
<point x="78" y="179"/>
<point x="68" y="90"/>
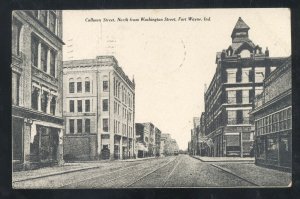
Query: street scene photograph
<point x="151" y="98"/>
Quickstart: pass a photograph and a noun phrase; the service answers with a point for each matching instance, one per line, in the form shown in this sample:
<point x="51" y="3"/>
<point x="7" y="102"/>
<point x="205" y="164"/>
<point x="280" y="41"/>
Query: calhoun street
<point x="172" y="171"/>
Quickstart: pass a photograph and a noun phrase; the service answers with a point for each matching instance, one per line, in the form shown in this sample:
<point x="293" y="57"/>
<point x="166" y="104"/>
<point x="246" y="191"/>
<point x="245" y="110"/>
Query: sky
<point x="171" y="61"/>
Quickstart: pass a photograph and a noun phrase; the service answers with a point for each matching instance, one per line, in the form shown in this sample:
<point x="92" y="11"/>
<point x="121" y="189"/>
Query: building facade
<point x="273" y="120"/>
<point x="241" y="69"/>
<point x="157" y="141"/>
<point x="37" y="123"/>
<point x="195" y="133"/>
<point x="99" y="110"/>
<point x="142" y="140"/>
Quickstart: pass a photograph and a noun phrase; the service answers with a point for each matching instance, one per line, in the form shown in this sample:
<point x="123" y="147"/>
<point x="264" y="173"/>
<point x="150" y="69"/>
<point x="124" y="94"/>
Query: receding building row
<point x="148" y="139"/>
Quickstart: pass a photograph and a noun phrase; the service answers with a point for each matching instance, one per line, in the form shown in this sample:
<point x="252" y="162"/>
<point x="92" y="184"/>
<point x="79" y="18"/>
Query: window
<point x="245" y="76"/>
<point x="79" y="126"/>
<point x="239" y="117"/>
<point x="34" y="51"/>
<point x="34" y="99"/>
<point x="231" y="76"/>
<point x="44" y="101"/>
<point x="259" y="74"/>
<point x="231" y="95"/>
<point x="239" y="96"/>
<point x="43" y="17"/>
<point x="72" y="106"/>
<point x="52" y="21"/>
<point x="105" y="125"/>
<point x="79" y="105"/>
<point x="272" y="149"/>
<point x="105" y="85"/>
<point x="87" y="105"/>
<point x="245" y="96"/>
<point x="246" y="117"/>
<point x="71" y="87"/>
<point x="53" y="106"/>
<point x="79" y="87"/>
<point x="87" y="125"/>
<point x="105" y="105"/>
<point x="87" y="86"/>
<point x="15" y="88"/>
<point x="71" y="122"/>
<point x="44" y="51"/>
<point x="52" y="63"/>
<point x="231" y="117"/>
<point x="16" y="30"/>
<point x="245" y="53"/>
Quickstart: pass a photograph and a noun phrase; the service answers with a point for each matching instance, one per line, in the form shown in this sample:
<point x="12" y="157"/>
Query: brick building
<point x="240" y="71"/>
<point x="273" y="120"/>
<point x="37" y="123"/>
<point x="99" y="110"/>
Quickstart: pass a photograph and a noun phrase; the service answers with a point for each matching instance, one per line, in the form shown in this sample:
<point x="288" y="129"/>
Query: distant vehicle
<point x="176" y="152"/>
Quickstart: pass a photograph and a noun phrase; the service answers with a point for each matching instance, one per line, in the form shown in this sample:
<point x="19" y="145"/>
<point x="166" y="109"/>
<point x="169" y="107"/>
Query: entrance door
<point x="17" y="139"/>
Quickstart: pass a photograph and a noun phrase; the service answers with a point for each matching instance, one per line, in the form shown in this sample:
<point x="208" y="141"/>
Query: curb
<point x="240" y="161"/>
<point x="56" y="173"/>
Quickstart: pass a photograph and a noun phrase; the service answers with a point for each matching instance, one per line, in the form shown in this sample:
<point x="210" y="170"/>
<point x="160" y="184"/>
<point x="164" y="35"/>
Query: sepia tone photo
<point x="151" y="98"/>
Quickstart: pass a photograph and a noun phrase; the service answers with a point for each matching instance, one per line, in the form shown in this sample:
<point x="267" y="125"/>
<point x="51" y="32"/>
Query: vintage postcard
<point x="151" y="98"/>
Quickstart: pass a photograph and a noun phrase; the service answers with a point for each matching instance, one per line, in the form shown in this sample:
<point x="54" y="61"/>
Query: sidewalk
<point x="224" y="159"/>
<point x="259" y="175"/>
<point x="65" y="168"/>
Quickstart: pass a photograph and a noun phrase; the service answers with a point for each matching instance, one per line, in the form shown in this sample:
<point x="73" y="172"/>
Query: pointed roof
<point x="240" y="26"/>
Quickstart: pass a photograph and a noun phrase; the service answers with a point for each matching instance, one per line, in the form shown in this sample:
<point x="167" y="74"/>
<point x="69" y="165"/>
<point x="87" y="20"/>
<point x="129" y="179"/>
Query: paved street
<point x="174" y="171"/>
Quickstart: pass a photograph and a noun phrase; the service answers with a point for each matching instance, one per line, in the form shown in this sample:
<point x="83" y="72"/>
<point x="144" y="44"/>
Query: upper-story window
<point x="87" y="85"/>
<point x="259" y="74"/>
<point x="52" y="21"/>
<point x="43" y="17"/>
<point x="105" y="85"/>
<point x="79" y="85"/>
<point x="105" y="125"/>
<point x="79" y="105"/>
<point x="16" y="34"/>
<point x="71" y="125"/>
<point x="44" y="50"/>
<point x="79" y="125"/>
<point x="71" y="106"/>
<point x="44" y="101"/>
<point x="105" y="105"/>
<point x="231" y="76"/>
<point x="87" y="126"/>
<point x="34" y="51"/>
<point x="71" y="86"/>
<point x="52" y="62"/>
<point x="87" y="105"/>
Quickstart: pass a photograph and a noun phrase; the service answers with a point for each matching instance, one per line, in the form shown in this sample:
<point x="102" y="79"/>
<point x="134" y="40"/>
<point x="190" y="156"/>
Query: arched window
<point x="71" y="85"/>
<point x="245" y="53"/>
<point x="87" y="85"/>
<point x="79" y="85"/>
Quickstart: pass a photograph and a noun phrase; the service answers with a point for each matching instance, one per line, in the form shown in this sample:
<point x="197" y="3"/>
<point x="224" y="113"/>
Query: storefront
<point x="37" y="139"/>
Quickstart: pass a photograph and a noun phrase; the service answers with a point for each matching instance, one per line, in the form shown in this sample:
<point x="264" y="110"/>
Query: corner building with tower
<point x="241" y="69"/>
<point x="99" y="110"/>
